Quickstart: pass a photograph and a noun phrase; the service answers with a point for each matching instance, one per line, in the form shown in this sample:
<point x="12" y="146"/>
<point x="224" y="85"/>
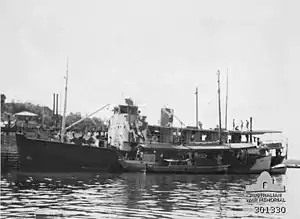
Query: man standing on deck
<point x="233" y="123"/>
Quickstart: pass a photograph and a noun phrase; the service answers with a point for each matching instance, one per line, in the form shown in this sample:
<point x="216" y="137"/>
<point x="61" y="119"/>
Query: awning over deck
<point x="25" y="113"/>
<point x="166" y="146"/>
<point x="207" y="131"/>
<point x="255" y="132"/>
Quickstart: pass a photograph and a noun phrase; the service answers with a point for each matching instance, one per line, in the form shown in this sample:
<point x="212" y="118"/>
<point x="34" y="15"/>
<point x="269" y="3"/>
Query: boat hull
<point x="187" y="169"/>
<point x="155" y="167"/>
<point x="251" y="165"/>
<point x="278" y="169"/>
<point x="133" y="165"/>
<point x="37" y="155"/>
<point x="276" y="160"/>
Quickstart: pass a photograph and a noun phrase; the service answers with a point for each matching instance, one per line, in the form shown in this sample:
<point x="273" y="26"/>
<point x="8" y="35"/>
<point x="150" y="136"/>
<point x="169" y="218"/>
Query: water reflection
<point x="131" y="195"/>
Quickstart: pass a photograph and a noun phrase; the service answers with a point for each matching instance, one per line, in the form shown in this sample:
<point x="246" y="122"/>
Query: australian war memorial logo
<point x="265" y="183"/>
<point x="266" y="194"/>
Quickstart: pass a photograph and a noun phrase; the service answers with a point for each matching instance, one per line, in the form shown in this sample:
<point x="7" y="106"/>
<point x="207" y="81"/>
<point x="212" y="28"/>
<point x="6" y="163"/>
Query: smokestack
<point x="53" y="110"/>
<point x="250" y="129"/>
<point x="56" y="104"/>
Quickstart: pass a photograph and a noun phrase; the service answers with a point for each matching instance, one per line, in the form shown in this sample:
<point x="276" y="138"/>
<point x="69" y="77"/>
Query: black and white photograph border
<point x="149" y="109"/>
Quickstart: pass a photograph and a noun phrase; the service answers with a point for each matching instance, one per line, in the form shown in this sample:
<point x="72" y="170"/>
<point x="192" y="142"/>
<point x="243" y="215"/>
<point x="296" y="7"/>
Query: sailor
<point x="278" y="152"/>
<point x="161" y="160"/>
<point x="97" y="141"/>
<point x="247" y="125"/>
<point x="141" y="155"/>
<point x="242" y="124"/>
<point x="74" y="139"/>
<point x="219" y="159"/>
<point x="81" y="140"/>
<point x="90" y="140"/>
<point x="233" y="124"/>
<point x="65" y="138"/>
<point x="138" y="154"/>
<point x="243" y="154"/>
<point x="58" y="136"/>
<point x="193" y="137"/>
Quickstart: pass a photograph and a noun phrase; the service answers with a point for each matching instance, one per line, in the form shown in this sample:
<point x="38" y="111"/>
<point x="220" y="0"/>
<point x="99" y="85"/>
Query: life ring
<point x="177" y="139"/>
<point x="155" y="138"/>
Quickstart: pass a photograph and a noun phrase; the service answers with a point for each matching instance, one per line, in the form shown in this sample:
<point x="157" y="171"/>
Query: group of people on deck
<point x="90" y="138"/>
<point x="241" y="127"/>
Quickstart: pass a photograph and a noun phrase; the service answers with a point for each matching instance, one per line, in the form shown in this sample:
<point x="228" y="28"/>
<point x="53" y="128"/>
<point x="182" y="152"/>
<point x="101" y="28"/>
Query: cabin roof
<point x="255" y="132"/>
<point x="224" y="146"/>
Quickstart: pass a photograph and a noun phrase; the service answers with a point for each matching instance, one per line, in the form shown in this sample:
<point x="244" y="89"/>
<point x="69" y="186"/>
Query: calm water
<point x="137" y="196"/>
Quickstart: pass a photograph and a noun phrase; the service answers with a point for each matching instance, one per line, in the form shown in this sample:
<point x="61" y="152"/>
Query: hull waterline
<point x="188" y="170"/>
<point x="37" y="155"/>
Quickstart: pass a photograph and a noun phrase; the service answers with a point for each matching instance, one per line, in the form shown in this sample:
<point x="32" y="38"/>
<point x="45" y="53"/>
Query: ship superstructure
<point x="127" y="128"/>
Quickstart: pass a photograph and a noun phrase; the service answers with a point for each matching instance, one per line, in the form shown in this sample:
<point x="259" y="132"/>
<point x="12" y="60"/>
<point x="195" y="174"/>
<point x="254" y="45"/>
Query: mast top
<point x="65" y="102"/>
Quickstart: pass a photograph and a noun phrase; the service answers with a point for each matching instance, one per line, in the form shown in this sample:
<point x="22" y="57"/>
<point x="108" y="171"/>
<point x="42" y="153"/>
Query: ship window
<point x="128" y="109"/>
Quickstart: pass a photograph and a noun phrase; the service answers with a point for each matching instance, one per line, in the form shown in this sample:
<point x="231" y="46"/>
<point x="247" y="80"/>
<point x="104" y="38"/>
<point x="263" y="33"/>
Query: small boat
<point x="292" y="165"/>
<point x="133" y="165"/>
<point x="184" y="166"/>
<point x="149" y="164"/>
<point x="278" y="169"/>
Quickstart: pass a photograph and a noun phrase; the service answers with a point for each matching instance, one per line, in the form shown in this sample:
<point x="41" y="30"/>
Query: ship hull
<point x="276" y="160"/>
<point x="252" y="165"/>
<point x="37" y="155"/>
<point x="278" y="169"/>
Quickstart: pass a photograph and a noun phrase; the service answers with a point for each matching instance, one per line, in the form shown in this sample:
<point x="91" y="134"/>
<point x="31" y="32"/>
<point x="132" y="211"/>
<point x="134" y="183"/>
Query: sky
<point x="157" y="53"/>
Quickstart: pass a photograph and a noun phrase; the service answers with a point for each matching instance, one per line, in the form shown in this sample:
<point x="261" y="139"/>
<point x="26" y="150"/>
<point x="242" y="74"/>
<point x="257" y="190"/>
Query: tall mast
<point x="57" y="108"/>
<point x="219" y="97"/>
<point x="196" y="106"/>
<point x="226" y="101"/>
<point x="43" y="112"/>
<point x="65" y="103"/>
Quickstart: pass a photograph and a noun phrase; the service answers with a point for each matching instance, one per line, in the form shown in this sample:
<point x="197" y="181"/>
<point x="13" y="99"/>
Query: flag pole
<point x="196" y="106"/>
<point x="226" y="101"/>
<point x="220" y="118"/>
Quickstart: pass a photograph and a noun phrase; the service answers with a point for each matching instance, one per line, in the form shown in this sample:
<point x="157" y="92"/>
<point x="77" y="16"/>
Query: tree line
<point x="47" y="117"/>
